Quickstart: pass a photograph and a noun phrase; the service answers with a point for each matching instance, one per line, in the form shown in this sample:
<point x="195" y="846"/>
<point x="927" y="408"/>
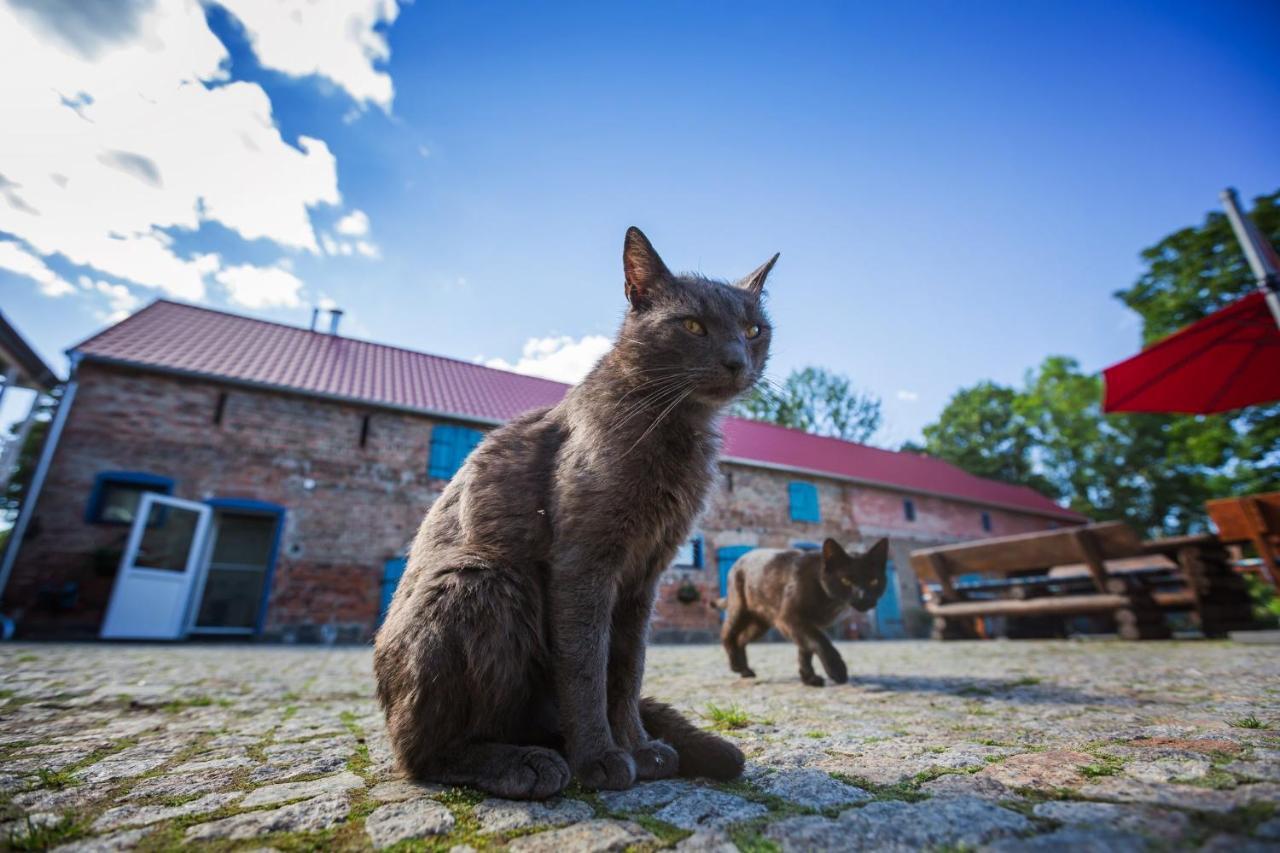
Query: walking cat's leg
<point x="736" y="622"/>
<point x="458" y="693"/>
<point x="807" y="675"/>
<point x="582" y="604"/>
<point x="754" y="630"/>
<point x="831" y="660"/>
<point x="654" y="759"/>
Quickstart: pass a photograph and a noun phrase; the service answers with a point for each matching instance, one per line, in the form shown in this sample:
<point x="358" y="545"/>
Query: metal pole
<point x="1261" y="256"/>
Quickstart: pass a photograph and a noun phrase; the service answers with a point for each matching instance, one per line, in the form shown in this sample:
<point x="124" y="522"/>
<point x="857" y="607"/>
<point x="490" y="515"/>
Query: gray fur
<point x="513" y="651"/>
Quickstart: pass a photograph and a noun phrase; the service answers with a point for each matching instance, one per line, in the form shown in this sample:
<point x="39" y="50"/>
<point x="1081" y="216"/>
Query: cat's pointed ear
<point x="755" y="281"/>
<point x="643" y="269"/>
<point x="876" y="557"/>
<point x="831" y="550"/>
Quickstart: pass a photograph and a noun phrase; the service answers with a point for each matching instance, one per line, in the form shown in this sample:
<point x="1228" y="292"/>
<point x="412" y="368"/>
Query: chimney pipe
<point x="335" y="317"/>
<point x="315" y="318"/>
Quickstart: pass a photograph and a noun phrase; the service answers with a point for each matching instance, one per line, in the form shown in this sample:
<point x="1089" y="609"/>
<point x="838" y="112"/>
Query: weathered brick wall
<point x="350" y="508"/>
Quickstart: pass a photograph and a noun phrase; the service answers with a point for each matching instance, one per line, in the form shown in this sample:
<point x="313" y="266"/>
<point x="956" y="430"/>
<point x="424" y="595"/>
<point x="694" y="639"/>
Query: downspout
<point x="37" y="483"/>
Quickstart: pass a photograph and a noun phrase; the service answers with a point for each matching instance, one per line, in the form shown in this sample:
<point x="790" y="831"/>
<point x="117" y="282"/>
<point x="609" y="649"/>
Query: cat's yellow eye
<point x="847" y="582"/>
<point x="694" y="326"/>
<point x="753" y="331"/>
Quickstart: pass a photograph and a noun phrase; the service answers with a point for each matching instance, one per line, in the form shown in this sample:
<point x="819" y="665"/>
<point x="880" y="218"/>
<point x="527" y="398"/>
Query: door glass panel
<point x="231" y="599"/>
<point x="244" y="540"/>
<point x="237" y="570"/>
<point x="167" y="538"/>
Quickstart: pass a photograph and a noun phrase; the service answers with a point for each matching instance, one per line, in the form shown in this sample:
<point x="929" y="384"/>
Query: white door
<point x="152" y="593"/>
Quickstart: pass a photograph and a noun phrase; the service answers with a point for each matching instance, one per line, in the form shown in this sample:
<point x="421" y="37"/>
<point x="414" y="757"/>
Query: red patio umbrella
<point x="1228" y="360"/>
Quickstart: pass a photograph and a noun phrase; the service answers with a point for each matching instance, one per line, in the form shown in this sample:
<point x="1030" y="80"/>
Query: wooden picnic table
<point x="1252" y="520"/>
<point x="1091" y="569"/>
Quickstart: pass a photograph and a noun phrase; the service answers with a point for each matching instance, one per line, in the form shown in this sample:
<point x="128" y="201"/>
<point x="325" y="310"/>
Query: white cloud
<point x="261" y="287"/>
<point x="354" y="224"/>
<point x="119" y="125"/>
<point x="120" y="299"/>
<point x="561" y="358"/>
<point x="907" y="396"/>
<point x="16" y="259"/>
<point x="334" y="39"/>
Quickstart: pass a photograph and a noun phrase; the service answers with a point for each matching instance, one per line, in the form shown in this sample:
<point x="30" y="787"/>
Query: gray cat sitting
<point x="513" y="651"/>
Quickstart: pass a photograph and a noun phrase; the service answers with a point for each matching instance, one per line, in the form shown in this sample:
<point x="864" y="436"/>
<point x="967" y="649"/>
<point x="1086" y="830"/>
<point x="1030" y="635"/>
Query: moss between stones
<point x="749" y="838"/>
<point x="1242" y="820"/>
<point x="38" y="837"/>
<point x="905" y="789"/>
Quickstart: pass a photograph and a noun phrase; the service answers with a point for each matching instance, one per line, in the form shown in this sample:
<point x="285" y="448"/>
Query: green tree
<point x="1190" y="274"/>
<point x="1154" y="471"/>
<point x="12" y="496"/>
<point x="1195" y="271"/>
<point x="815" y="400"/>
<point x="981" y="432"/>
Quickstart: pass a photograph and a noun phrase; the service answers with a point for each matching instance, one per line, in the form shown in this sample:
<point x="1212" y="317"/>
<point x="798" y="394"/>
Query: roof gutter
<point x="1063" y="515"/>
<point x="38" y="477"/>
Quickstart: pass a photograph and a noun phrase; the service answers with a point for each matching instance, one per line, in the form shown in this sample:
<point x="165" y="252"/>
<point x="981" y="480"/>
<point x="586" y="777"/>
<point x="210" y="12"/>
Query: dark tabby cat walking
<point x="513" y="651"/>
<point x="800" y="593"/>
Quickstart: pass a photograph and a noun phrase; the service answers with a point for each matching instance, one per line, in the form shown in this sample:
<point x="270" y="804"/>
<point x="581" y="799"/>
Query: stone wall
<point x="350" y="507"/>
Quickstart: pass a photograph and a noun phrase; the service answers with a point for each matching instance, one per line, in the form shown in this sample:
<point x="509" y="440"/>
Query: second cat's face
<point x="858" y="580"/>
<point x="691" y="333"/>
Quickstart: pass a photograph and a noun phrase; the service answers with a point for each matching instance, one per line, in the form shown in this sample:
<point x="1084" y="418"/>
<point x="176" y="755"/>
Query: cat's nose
<point x="735" y="365"/>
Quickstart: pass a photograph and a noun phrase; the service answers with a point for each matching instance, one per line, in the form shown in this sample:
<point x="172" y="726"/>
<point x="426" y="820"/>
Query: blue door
<point x="725" y="558"/>
<point x="392" y="570"/>
<point x="889" y="609"/>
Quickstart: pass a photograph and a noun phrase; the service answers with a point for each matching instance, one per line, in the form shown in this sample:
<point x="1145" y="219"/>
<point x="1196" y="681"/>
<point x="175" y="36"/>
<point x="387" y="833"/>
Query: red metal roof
<point x="173" y="337"/>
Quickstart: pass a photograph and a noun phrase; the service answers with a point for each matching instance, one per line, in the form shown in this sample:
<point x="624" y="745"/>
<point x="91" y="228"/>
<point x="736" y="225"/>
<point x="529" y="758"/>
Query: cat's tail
<point x="701" y="753"/>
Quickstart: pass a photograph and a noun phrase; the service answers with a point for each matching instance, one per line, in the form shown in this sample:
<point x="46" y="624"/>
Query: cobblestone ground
<point x="994" y="746"/>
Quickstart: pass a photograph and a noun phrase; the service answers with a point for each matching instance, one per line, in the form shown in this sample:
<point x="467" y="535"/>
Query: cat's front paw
<point x="655" y="760"/>
<point x="613" y="769"/>
<point x="813" y="680"/>
<point x="747" y="673"/>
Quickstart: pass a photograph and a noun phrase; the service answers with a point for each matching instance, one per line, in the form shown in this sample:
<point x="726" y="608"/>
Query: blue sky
<point x="956" y="188"/>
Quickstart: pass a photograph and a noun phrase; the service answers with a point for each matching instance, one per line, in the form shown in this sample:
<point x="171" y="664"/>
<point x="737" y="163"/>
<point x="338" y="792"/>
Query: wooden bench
<point x="1095" y="569"/>
<point x="1252" y="520"/>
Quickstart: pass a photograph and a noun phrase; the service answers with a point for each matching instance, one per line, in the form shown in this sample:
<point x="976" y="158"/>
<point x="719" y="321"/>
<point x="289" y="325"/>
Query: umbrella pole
<point x="1261" y="256"/>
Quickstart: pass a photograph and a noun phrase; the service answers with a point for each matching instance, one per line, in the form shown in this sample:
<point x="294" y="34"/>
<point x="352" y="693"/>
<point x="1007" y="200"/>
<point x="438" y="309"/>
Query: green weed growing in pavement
<point x="1249" y="722"/>
<point x="55" y="779"/>
<point x="727" y="718"/>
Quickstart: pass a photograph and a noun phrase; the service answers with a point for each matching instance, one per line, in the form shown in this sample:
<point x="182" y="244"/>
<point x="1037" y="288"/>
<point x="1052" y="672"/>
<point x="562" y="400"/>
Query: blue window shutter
<point x="450" y="446"/>
<point x="804" y="502"/>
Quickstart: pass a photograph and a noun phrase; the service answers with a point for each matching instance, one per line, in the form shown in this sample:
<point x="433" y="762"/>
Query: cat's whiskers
<point x="677" y="401"/>
<point x="674" y="376"/>
<point x="653" y="400"/>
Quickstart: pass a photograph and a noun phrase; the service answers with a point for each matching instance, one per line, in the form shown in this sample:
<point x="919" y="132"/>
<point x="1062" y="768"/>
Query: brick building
<point x="212" y="474"/>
